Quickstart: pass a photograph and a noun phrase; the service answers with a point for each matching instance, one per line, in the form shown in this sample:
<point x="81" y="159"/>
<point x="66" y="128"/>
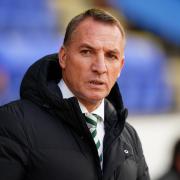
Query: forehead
<point x="97" y="34"/>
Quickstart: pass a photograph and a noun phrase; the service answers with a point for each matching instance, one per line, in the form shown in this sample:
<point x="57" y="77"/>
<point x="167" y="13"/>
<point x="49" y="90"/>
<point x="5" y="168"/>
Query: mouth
<point x="96" y="82"/>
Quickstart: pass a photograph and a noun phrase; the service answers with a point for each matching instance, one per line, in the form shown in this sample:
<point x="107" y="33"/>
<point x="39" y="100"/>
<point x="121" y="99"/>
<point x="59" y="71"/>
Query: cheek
<point x="75" y="75"/>
<point x="113" y="76"/>
<point x="115" y="72"/>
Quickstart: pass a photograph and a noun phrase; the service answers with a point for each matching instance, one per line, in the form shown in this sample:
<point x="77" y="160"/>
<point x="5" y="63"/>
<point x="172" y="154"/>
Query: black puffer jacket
<point x="45" y="137"/>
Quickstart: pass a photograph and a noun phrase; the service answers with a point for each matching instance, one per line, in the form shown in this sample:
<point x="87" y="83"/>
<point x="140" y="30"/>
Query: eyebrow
<point x="86" y="45"/>
<point x="114" y="51"/>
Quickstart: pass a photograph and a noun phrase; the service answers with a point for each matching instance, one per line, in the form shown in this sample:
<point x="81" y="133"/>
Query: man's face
<point x="92" y="61"/>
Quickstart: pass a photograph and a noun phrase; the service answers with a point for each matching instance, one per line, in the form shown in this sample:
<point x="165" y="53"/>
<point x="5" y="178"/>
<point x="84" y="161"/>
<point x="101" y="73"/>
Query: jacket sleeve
<point x="13" y="148"/>
<point x="143" y="171"/>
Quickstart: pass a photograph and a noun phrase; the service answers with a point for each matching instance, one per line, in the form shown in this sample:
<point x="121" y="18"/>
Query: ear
<point x="121" y="66"/>
<point x="122" y="63"/>
<point x="62" y="57"/>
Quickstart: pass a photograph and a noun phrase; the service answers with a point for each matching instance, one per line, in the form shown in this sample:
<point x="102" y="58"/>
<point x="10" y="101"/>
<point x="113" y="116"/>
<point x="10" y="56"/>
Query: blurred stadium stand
<point x="143" y="81"/>
<point x="161" y="17"/>
<point x="28" y="31"/>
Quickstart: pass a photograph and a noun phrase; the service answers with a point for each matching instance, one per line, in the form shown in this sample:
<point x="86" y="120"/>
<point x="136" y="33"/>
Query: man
<point x="70" y="121"/>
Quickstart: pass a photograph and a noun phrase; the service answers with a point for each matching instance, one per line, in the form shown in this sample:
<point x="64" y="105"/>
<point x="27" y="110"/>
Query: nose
<point x="99" y="64"/>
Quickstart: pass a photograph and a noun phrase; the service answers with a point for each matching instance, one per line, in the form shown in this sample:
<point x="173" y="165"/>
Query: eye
<point x="85" y="52"/>
<point x="112" y="56"/>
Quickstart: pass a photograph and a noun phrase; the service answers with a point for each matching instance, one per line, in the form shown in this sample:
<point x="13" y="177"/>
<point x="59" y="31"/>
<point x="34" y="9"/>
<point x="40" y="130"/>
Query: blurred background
<point x="149" y="82"/>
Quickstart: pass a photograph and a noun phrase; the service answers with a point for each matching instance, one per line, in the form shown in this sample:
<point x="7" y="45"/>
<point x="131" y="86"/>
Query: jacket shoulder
<point x="13" y="109"/>
<point x="12" y="123"/>
<point x="14" y="142"/>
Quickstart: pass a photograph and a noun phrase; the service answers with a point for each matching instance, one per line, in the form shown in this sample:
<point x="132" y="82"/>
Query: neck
<point x="90" y="106"/>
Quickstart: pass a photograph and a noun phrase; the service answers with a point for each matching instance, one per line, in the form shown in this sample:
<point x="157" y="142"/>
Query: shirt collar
<point x="66" y="93"/>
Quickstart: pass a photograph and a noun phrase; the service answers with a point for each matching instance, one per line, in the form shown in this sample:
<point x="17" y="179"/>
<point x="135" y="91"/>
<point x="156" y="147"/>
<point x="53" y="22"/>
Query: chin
<point x="96" y="97"/>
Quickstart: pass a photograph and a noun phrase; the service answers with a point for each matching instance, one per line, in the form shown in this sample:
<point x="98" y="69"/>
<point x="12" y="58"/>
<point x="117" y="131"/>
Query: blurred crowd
<point x="150" y="81"/>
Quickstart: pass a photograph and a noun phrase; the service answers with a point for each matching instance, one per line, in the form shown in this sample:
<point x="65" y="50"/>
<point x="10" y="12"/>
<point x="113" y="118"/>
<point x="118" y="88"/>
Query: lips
<point x="96" y="82"/>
